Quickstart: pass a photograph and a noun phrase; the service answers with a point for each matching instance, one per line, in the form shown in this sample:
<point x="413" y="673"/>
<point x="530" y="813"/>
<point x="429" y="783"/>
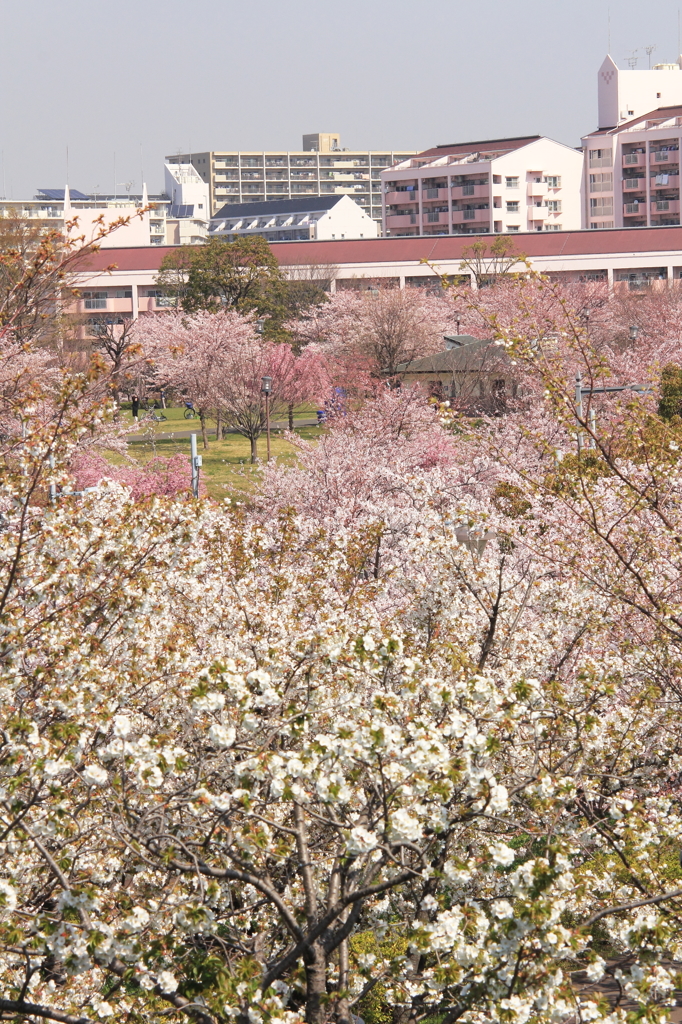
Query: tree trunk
<point x="254" y="448"/>
<point x="218" y="426"/>
<point x="291" y="415"/>
<point x="316" y="986"/>
<point x="204" y="435"/>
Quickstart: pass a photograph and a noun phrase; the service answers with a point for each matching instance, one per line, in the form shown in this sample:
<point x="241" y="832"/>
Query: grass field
<point x="175" y="419"/>
<point x="226" y="470"/>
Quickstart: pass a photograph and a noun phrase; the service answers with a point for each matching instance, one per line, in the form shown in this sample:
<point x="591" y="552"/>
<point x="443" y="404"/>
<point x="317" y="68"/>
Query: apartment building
<point x="320" y="168"/>
<point x="632" y="161"/>
<point x="501" y="185"/>
<point x="289" y="220"/>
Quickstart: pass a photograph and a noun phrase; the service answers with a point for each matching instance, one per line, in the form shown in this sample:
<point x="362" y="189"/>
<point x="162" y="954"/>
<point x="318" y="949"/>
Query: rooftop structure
<point x="320" y="168"/>
<point x="626" y="94"/>
<point x="285" y="220"/>
<point x="501" y="185"/>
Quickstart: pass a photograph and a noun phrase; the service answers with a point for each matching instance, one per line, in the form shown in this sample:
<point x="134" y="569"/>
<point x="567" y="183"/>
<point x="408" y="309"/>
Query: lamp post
<point x="634" y="332"/>
<point x="266" y="388"/>
<point x="580" y="391"/>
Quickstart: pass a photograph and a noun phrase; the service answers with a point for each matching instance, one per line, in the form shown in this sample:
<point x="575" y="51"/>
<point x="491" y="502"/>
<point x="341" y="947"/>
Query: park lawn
<point x="175" y="419"/>
<point x="226" y="471"/>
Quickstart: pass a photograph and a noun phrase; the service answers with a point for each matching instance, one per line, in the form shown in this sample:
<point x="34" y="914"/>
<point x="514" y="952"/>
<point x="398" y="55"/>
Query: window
<point x="601" y="182"/>
<point x="554" y="205"/>
<point x="512" y="182"/>
<point x="597" y="225"/>
<point x="553" y="227"/>
<point x="601" y="157"/>
<point x="601" y="207"/>
<point x="95" y="300"/>
<point x="553" y="180"/>
<point x="513" y="206"/>
<point x="513" y="227"/>
<point x="497" y="179"/>
<point x="125" y="294"/>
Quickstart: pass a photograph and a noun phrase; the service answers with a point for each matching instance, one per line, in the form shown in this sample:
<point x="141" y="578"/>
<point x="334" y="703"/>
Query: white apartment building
<point x="501" y="185"/>
<point x="321" y="168"/>
<point x="293" y="220"/>
<point x="189" y="210"/>
<point x="632" y="162"/>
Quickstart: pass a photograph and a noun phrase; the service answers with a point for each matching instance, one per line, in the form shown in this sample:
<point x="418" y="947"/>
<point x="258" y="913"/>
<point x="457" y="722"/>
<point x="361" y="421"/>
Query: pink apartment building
<point x="501" y="185"/>
<point x="632" y="172"/>
<point x="632" y="161"/>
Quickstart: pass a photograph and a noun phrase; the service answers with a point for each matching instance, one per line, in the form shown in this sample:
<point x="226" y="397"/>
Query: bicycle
<point x="190" y="413"/>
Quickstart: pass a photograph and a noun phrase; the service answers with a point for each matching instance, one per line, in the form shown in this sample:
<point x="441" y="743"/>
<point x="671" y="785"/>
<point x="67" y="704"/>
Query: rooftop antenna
<point x="649" y="50"/>
<point x="609" y="11"/>
<point x="632" y="60"/>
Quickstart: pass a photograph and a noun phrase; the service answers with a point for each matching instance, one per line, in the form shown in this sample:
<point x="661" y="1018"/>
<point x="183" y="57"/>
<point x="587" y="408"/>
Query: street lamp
<point x="260" y="326"/>
<point x="266" y="388"/>
<point x="580" y="391"/>
<point x="634" y="332"/>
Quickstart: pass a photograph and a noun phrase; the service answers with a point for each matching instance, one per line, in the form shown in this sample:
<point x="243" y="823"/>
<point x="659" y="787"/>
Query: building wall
<point x="345" y="220"/>
<point x="184" y="186"/>
<point x="626" y="94"/>
<point x="454" y="194"/>
<point x="243" y="177"/>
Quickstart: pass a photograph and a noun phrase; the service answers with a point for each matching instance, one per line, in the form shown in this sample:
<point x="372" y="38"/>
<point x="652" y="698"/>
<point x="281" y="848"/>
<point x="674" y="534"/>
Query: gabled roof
<point x="491" y="145"/>
<point x="662" y="113"/>
<point x="480" y="354"/>
<point x="271" y="207"/>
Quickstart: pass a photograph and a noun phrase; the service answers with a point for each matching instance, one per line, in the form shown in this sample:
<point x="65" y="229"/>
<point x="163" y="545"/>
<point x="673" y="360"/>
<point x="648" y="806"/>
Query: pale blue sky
<point x="158" y="76"/>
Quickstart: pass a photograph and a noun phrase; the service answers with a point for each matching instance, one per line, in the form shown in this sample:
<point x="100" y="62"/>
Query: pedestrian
<point x="136" y="407"/>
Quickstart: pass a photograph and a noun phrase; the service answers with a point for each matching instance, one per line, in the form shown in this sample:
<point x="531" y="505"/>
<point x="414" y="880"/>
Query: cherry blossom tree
<point x="218" y="361"/>
<point x="252" y="771"/>
<point x="390" y="327"/>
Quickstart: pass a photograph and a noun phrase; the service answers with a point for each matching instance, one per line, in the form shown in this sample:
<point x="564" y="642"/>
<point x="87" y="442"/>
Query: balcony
<point x="475" y="215"/>
<point x="634" y="159"/>
<point x="537" y="189"/>
<point x="665" y="206"/>
<point x="470" y="191"/>
<point x="431" y="194"/>
<point x="665" y="156"/>
<point x="673" y="181"/>
<point x="537" y="211"/>
<point x="401" y="220"/>
<point x="435" y="218"/>
<point x="634" y="184"/>
<point x="634" y="209"/>
<point x="401" y="197"/>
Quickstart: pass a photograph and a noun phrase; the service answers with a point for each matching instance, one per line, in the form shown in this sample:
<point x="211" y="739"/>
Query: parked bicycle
<point x="190" y="411"/>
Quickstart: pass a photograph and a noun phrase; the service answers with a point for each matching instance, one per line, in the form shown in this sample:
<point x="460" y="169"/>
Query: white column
<point x="449" y="204"/>
<point x="136" y="304"/>
<point x="609" y="278"/>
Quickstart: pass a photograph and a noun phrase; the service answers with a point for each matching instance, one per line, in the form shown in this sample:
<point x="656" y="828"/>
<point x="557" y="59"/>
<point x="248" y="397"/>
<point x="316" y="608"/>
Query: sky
<point x="118" y="86"/>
